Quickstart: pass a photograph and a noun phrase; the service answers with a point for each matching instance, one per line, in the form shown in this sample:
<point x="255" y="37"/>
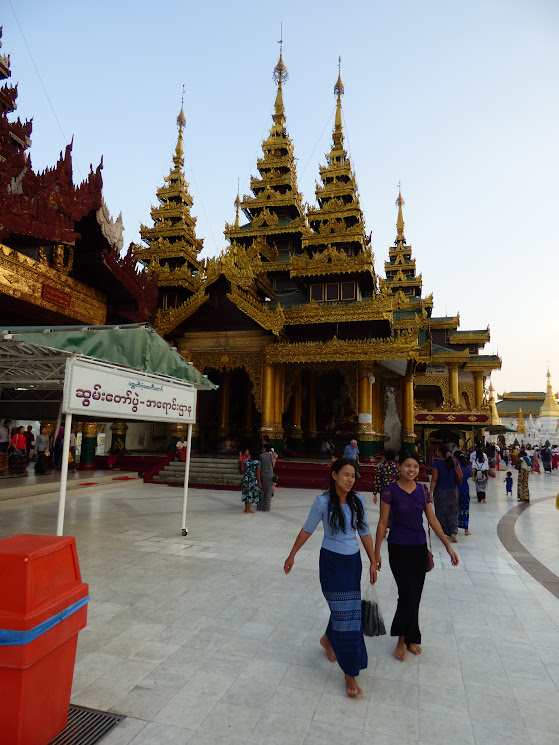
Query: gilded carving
<point x="24" y="278"/>
<point x="374" y="309"/>
<point x="331" y="261"/>
<point x="337" y="350"/>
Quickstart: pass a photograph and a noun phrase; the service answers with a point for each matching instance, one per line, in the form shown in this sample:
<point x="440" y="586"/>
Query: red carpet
<point x="124" y="478"/>
<point x="89" y="483"/>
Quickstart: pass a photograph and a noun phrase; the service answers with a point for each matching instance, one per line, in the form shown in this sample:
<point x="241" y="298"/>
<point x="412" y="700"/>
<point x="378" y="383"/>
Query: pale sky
<point x="458" y="101"/>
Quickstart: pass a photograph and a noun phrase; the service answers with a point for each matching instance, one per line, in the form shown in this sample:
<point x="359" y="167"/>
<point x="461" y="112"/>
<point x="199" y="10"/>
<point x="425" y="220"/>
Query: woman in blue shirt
<point x="343" y="515"/>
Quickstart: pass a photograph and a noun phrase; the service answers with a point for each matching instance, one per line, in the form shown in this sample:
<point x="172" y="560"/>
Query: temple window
<point x="333" y="292"/>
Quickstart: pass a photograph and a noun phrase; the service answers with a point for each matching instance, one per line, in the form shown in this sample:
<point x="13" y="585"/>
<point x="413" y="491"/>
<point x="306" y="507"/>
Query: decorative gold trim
<point x="271" y="320"/>
<point x="24" y="278"/>
<point x="332" y="261"/>
<point x="337" y="350"/>
<point x="167" y="320"/>
<point x="378" y="308"/>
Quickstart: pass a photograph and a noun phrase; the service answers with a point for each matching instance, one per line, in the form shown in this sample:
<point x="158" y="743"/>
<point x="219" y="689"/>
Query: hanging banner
<point x="98" y="390"/>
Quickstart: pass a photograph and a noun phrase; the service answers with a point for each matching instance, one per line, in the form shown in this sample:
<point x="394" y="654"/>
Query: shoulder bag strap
<point x="428" y="526"/>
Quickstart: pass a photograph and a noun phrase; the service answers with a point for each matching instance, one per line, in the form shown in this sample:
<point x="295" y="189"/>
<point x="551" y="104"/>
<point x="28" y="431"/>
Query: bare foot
<point x="328" y="648"/>
<point x="401" y="649"/>
<point x="453" y="538"/>
<point x="352" y="686"/>
<point x="467" y="532"/>
<point x="414" y="649"/>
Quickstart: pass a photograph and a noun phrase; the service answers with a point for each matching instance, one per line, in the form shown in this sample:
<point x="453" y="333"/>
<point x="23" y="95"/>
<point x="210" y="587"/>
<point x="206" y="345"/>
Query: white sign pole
<point x="186" y="477"/>
<point x="64" y="474"/>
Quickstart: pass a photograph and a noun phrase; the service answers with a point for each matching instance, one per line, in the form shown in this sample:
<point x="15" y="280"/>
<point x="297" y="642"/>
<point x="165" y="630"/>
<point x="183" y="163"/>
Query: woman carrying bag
<point x="480" y="467"/>
<point x="406" y="501"/>
<point x="343" y="516"/>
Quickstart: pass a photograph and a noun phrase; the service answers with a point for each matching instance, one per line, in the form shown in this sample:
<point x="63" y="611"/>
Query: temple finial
<point x="339" y="92"/>
<point x="237" y="204"/>
<point x="400" y="221"/>
<point x="280" y="75"/>
<point x="181" y="122"/>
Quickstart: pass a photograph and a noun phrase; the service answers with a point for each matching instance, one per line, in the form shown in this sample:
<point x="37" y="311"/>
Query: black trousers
<point x="408" y="565"/>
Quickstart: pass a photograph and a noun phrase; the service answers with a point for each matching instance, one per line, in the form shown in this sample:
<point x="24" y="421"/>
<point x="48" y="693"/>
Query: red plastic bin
<point x="43" y="606"/>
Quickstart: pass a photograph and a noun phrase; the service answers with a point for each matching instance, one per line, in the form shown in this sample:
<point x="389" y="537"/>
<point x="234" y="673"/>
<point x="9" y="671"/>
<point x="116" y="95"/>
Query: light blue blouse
<point x="341" y="542"/>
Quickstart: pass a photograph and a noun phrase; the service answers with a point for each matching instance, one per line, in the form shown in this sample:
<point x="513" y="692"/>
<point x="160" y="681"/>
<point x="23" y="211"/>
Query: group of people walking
<point x="343" y="515"/>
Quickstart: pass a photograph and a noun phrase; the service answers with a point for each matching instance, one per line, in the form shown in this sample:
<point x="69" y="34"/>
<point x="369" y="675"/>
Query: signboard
<point x="57" y="297"/>
<point x="96" y="389"/>
<point x="436" y="370"/>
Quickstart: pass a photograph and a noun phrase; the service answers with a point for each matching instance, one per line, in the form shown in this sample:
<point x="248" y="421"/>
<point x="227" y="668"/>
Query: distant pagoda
<point x="400" y="268"/>
<point x="172" y="245"/>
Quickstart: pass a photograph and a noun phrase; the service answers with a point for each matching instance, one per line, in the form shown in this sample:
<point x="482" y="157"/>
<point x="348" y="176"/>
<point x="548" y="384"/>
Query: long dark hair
<point x="449" y="460"/>
<point x="336" y="519"/>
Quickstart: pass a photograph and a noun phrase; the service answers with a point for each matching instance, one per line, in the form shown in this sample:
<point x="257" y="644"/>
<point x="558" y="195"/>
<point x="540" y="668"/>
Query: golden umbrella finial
<point x="339" y="87"/>
<point x="181" y="119"/>
<point x="280" y="70"/>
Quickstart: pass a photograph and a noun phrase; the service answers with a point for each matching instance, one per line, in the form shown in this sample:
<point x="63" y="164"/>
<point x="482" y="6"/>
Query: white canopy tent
<point x="98" y="388"/>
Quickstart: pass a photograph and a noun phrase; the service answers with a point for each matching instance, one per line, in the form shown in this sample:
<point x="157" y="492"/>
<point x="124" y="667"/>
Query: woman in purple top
<point x="446" y="475"/>
<point x="405" y="501"/>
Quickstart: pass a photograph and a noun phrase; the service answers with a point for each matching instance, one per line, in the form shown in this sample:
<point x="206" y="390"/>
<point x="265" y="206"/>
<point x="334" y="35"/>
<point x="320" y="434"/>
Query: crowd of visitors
<point x="404" y="502"/>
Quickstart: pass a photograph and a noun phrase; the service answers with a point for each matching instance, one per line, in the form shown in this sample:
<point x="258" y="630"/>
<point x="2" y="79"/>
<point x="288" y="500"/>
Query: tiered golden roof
<point x="400" y="268"/>
<point x="172" y="245"/>
<point x="275" y="208"/>
<point x="337" y="224"/>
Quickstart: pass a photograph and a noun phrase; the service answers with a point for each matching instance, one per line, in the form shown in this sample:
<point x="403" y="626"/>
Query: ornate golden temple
<point x="291" y="320"/>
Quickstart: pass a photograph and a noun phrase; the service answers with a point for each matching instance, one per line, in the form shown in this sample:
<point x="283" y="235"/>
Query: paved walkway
<point x="205" y="641"/>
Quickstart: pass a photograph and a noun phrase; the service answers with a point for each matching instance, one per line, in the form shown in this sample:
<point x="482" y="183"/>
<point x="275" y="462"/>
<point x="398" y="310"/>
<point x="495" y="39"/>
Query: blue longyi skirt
<point x="340" y="579"/>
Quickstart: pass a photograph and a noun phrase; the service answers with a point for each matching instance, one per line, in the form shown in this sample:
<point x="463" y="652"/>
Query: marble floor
<point x="204" y="640"/>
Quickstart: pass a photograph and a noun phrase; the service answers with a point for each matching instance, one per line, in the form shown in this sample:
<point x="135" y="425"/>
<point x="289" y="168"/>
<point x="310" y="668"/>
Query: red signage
<point x="451" y="418"/>
<point x="57" y="297"/>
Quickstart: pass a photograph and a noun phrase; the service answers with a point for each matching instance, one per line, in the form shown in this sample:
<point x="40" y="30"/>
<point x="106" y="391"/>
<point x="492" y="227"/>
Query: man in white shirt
<point x="5" y="436"/>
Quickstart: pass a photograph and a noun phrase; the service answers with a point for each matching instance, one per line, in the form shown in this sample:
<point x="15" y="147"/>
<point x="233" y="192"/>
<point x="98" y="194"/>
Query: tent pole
<point x="64" y="475"/>
<point x="186" y="476"/>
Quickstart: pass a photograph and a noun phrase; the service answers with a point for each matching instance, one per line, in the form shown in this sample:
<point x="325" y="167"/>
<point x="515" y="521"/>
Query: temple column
<point x="478" y="389"/>
<point x="268" y="401"/>
<point x="408" y="415"/>
<point x="223" y="429"/>
<point x="248" y="429"/>
<point x="277" y="439"/>
<point x="453" y="384"/>
<point x="377" y="407"/>
<point x="295" y="434"/>
<point x="177" y="431"/>
<point x="118" y="429"/>
<point x="89" y="446"/>
<point x="365" y="413"/>
<point x="311" y="442"/>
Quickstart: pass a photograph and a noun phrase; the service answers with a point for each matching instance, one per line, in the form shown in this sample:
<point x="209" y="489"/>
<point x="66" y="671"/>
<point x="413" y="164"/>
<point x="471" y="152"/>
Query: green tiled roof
<point x="528" y="405"/>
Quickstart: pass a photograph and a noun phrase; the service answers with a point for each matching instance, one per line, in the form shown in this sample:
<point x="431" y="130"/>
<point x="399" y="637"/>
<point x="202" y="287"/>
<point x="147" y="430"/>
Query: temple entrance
<point x="229" y="420"/>
<point x="334" y="410"/>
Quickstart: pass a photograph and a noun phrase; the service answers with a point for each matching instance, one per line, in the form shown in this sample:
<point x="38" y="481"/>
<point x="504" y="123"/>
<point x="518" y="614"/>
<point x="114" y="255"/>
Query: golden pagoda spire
<point x="170" y="248"/>
<point x="339" y="92"/>
<point x="400" y="221"/>
<point x="275" y="207"/>
<point x="520" y="427"/>
<point x="280" y="74"/>
<point x="400" y="268"/>
<point x="237" y="205"/>
<point x="550" y="407"/>
<point x="495" y="419"/>
<point x="178" y="158"/>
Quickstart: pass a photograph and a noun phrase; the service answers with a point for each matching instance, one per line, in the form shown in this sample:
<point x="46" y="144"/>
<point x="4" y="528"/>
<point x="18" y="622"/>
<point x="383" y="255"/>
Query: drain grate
<point x="86" y="726"/>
